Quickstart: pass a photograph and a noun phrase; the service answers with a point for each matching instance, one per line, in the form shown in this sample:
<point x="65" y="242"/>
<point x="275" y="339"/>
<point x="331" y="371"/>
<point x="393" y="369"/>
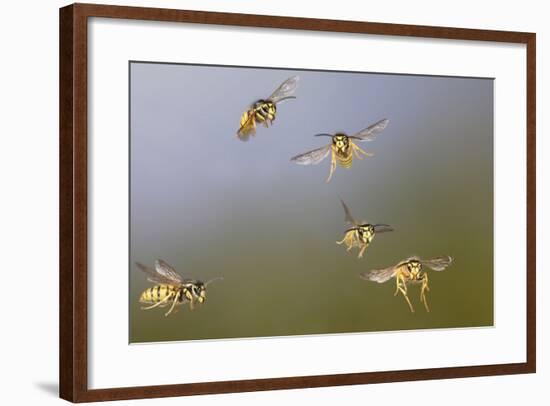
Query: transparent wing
<point x="382" y="228"/>
<point x="438" y="263"/>
<point x="370" y="133"/>
<point x="349" y="218"/>
<point x="379" y="275"/>
<point x="152" y="275"/>
<point x="312" y="157"/>
<point x="168" y="272"/>
<point x="285" y="90"/>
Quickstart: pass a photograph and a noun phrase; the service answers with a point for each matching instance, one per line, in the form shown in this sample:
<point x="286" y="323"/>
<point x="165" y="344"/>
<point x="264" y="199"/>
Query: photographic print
<point x="268" y="202"/>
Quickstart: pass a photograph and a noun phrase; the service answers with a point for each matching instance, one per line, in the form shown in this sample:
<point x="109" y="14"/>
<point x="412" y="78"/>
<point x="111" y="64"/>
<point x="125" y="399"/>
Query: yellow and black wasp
<point x="409" y="271"/>
<point x="264" y="111"/>
<point x="171" y="288"/>
<point x="360" y="234"/>
<point x="343" y="148"/>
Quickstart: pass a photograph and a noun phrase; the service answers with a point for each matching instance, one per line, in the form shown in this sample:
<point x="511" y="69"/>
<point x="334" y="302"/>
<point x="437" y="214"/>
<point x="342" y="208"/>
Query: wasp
<point x="361" y="234"/>
<point x="264" y="111"/>
<point x="343" y="148"/>
<point x="409" y="271"/>
<point x="171" y="288"/>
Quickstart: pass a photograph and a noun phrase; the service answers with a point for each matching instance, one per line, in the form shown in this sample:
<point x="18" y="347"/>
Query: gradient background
<point x="211" y="205"/>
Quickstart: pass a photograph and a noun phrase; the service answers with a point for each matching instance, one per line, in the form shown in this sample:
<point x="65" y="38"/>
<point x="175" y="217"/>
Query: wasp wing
<point x="380" y="275"/>
<point x="168" y="272"/>
<point x="312" y="157"/>
<point x="349" y="218"/>
<point x="370" y="133"/>
<point x="438" y="263"/>
<point x="153" y="276"/>
<point x="285" y="90"/>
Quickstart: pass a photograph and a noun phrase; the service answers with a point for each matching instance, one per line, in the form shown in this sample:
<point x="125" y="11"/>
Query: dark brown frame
<point x="73" y="362"/>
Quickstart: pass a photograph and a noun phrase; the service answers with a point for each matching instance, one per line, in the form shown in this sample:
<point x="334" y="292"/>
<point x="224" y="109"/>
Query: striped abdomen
<point x="344" y="158"/>
<point x="158" y="293"/>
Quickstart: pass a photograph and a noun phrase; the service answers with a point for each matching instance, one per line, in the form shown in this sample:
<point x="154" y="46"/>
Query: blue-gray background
<point x="211" y="205"/>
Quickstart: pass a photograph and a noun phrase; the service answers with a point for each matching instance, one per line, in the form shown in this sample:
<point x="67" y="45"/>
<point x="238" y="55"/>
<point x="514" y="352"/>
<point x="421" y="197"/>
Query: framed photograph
<point x="278" y="202"/>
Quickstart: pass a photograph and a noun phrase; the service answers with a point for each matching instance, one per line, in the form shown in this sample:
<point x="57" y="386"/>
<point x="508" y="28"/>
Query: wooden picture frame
<point x="73" y="280"/>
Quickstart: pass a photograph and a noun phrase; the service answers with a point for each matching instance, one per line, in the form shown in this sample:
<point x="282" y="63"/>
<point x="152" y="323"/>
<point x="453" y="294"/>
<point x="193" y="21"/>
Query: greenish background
<point x="211" y="205"/>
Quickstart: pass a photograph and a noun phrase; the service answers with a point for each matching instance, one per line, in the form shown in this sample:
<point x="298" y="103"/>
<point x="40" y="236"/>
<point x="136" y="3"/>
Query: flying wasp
<point x="171" y="288"/>
<point x="361" y="234"/>
<point x="343" y="148"/>
<point x="264" y="111"/>
<point x="409" y="271"/>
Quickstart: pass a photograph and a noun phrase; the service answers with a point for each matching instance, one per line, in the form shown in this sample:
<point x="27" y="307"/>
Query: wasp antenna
<point x="383" y="227"/>
<point x="323" y="135"/>
<point x="219" y="278"/>
<point x="285" y="99"/>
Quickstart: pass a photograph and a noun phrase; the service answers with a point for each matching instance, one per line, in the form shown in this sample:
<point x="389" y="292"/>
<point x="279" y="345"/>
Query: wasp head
<point x="366" y="233"/>
<point x="199" y="291"/>
<point x="414" y="267"/>
<point x="340" y="141"/>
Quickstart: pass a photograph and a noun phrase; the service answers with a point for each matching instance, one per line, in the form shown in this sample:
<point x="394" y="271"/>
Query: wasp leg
<point x="406" y="298"/>
<point x="355" y="152"/>
<point x="425" y="288"/>
<point x="357" y="149"/>
<point x="363" y="248"/>
<point x="253" y="119"/>
<point x="332" y="166"/>
<point x="191" y="299"/>
<point x="253" y="126"/>
<point x="268" y="121"/>
<point x="401" y="286"/>
<point x="173" y="304"/>
<point x="348" y="241"/>
<point x="158" y="303"/>
<point x="398" y="279"/>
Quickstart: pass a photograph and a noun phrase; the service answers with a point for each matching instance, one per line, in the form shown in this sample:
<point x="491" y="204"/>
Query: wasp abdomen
<point x="156" y="293"/>
<point x="345" y="160"/>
